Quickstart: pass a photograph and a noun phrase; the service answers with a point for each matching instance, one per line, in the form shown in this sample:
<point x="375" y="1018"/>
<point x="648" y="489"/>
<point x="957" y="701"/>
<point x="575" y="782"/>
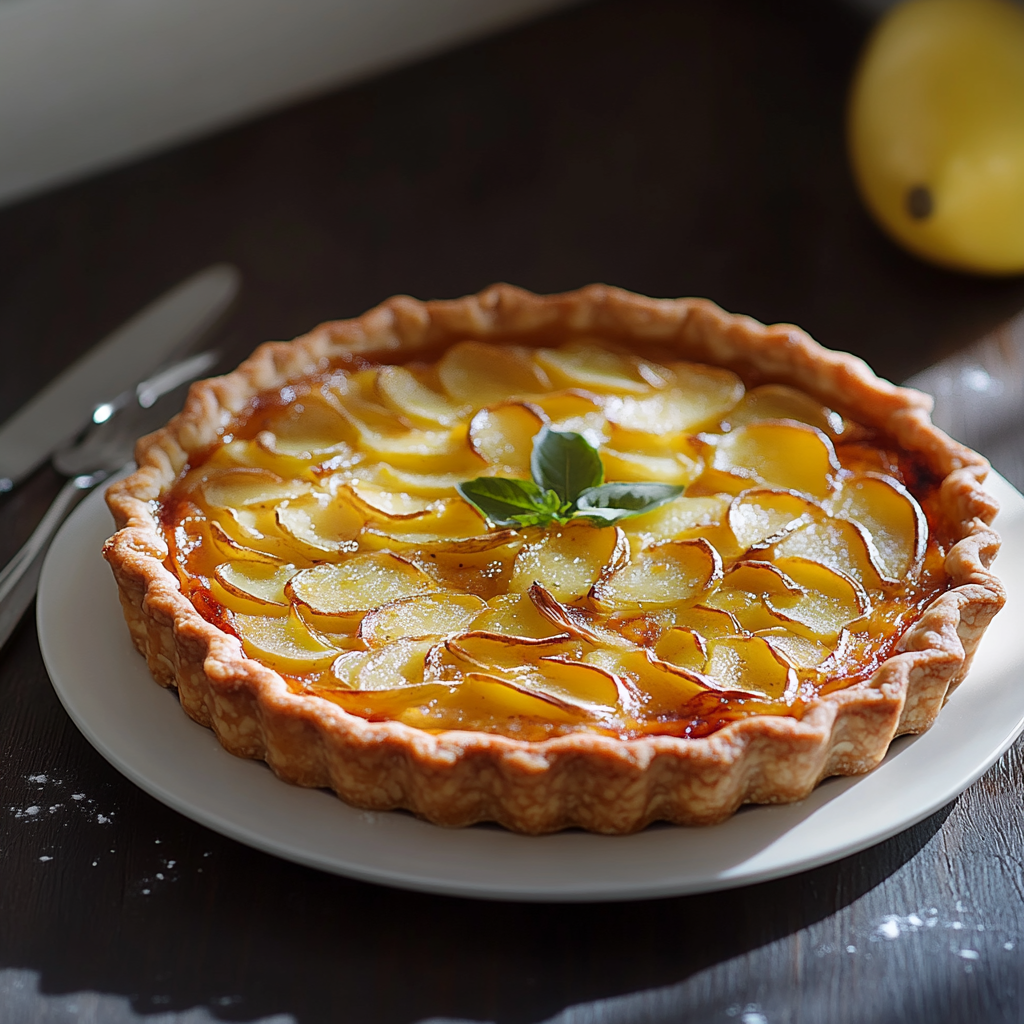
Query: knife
<point x="161" y="330"/>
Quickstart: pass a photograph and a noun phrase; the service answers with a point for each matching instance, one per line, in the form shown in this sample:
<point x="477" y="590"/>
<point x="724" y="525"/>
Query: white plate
<point x="137" y="726"/>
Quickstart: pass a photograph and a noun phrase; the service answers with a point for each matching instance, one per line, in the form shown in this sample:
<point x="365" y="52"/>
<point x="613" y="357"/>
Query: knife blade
<point x="160" y="330"/>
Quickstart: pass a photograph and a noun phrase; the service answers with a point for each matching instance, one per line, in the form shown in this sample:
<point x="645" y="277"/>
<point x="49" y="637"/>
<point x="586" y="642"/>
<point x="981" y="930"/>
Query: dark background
<point x="668" y="146"/>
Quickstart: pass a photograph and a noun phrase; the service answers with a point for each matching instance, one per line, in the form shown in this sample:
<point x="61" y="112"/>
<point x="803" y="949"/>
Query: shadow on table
<point x="254" y="937"/>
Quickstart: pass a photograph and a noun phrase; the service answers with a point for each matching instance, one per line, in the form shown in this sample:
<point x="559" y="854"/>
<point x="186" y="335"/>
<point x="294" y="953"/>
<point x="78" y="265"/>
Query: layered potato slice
<point x="329" y="536"/>
<point x="600" y="369"/>
<point x="696" y="397"/>
<point x="759" y="517"/>
<point x="782" y="454"/>
<point x="665" y="574"/>
<point x="502" y="435"/>
<point x="253" y="587"/>
<point x="840" y="544"/>
<point x="239" y="488"/>
<point x="320" y="525"/>
<point x="752" y="664"/>
<point x="569" y="560"/>
<point x="478" y="374"/>
<point x="309" y="429"/>
<point x="286" y="643"/>
<point x="348" y="590"/>
<point x="408" y="394"/>
<point x="420" y="617"/>
<point x="779" y="402"/>
<point x="892" y="521"/>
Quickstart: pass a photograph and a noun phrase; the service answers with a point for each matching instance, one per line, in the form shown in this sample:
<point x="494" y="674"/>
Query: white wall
<point x="86" y="84"/>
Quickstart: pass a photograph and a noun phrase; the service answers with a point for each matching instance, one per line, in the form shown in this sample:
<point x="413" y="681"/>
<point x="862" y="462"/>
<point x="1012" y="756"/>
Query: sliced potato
<point x="685" y="447"/>
<point x="404" y="393"/>
<point x="227" y="547"/>
<point x="399" y="664"/>
<point x="680" y="518"/>
<point x="576" y="682"/>
<point x="568" y="560"/>
<point x="760" y="578"/>
<point x="284" y="644"/>
<point x="639" y="628"/>
<point x="245" y="454"/>
<point x="779" y="402"/>
<point x="582" y="364"/>
<point x="418" y="485"/>
<point x="495" y="652"/>
<point x="577" y="411"/>
<point x="709" y="623"/>
<point x="830" y="600"/>
<point x="351" y="588"/>
<point x="570" y="403"/>
<point x="320" y="525"/>
<point x="385" y="505"/>
<point x="426" y="545"/>
<point x="355" y="397"/>
<point x="422" y="451"/>
<point x="670" y="573"/>
<point x="310" y="428"/>
<point x="444" y="517"/>
<point x="260" y="583"/>
<point x="572" y="620"/>
<point x="810" y="576"/>
<point x="802" y="652"/>
<point x="683" y="647"/>
<point x="677" y="468"/>
<point x="250" y="489"/>
<point x="551" y="669"/>
<point x="485" y="702"/>
<point x="515" y="615"/>
<point x="787" y="455"/>
<point x="478" y="374"/>
<point x="678" y="408"/>
<point x="760" y="516"/>
<point x="484" y="571"/>
<point x="659" y="688"/>
<point x="398" y="704"/>
<point x="254" y="530"/>
<point x="748" y="609"/>
<point x="894" y="521"/>
<point x="745" y="588"/>
<point x="710" y="391"/>
<point x="836" y="543"/>
<point x="713" y="481"/>
<point x="420" y="616"/>
<point x="750" y="664"/>
<point x="502" y="435"/>
<point x="310" y="450"/>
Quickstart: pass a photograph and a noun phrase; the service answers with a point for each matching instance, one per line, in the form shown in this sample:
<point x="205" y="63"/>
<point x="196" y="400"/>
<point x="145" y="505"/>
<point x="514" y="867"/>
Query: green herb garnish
<point x="568" y="484"/>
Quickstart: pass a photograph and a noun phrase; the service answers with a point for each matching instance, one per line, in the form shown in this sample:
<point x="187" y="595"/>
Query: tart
<point x="590" y="560"/>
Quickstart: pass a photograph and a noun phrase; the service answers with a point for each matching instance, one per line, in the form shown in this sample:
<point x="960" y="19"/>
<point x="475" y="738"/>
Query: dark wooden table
<point x="671" y="147"/>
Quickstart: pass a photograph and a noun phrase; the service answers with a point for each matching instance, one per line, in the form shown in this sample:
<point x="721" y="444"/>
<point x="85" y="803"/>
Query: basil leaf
<point x="508" y="502"/>
<point x="566" y="463"/>
<point x="611" y="502"/>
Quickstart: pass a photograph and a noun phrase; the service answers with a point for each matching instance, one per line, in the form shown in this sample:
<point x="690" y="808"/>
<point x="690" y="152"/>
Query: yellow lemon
<point x="936" y="131"/>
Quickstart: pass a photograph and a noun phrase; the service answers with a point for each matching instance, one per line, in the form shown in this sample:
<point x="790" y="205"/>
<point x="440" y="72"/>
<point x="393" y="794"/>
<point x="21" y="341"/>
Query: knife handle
<point x="20" y="577"/>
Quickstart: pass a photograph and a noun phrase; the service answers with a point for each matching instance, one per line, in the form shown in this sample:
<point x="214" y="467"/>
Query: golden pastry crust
<point x="581" y="779"/>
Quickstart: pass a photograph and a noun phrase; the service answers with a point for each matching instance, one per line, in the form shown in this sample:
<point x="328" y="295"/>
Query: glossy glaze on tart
<point x="294" y="556"/>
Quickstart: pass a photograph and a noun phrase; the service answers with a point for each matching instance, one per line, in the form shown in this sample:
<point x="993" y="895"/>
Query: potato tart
<point x="590" y="559"/>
